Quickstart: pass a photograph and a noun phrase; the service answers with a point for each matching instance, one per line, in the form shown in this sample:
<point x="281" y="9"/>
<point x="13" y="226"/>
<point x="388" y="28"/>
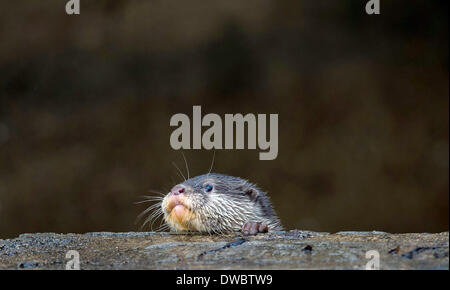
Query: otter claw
<point x="253" y="228"/>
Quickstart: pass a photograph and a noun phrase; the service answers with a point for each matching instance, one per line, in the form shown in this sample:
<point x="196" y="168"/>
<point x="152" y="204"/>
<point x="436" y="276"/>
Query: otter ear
<point x="252" y="193"/>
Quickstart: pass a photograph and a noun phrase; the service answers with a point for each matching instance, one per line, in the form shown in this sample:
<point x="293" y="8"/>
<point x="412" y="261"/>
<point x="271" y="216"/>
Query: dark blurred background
<point x="85" y="103"/>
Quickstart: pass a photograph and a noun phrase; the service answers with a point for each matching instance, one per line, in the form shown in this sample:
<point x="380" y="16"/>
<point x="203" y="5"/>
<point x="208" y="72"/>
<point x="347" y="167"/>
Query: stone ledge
<point x="279" y="250"/>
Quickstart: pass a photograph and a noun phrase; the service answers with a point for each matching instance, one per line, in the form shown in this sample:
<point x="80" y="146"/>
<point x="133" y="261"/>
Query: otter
<point x="217" y="203"/>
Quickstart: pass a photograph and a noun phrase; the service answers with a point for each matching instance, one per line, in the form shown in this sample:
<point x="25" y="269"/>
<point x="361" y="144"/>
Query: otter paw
<point x="253" y="228"/>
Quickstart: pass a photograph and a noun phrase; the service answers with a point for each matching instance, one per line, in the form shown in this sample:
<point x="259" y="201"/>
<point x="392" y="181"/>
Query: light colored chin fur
<point x="187" y="222"/>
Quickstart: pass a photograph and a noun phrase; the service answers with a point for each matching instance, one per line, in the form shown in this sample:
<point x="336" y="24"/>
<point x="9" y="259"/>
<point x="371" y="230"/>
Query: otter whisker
<point x="151" y="207"/>
<point x="155" y="198"/>
<point x="185" y="163"/>
<point x="152" y="217"/>
<point x="148" y="209"/>
<point x="156" y="192"/>
<point x="212" y="162"/>
<point x="162" y="228"/>
<point x="143" y="201"/>
<point x="152" y="197"/>
<point x="155" y="208"/>
<point x="173" y="163"/>
<point x="160" y="213"/>
<point x="161" y="224"/>
<point x="149" y="200"/>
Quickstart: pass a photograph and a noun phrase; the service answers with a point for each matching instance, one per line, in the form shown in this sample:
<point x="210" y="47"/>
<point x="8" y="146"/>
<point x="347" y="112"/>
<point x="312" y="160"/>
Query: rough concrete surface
<point x="280" y="250"/>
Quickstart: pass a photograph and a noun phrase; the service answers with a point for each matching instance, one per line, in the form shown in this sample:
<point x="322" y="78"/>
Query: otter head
<point x="217" y="203"/>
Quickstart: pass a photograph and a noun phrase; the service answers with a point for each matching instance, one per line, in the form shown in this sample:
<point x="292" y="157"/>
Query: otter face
<point x="215" y="203"/>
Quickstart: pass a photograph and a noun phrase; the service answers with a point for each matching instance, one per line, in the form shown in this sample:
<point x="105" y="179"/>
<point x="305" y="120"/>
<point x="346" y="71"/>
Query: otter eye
<point x="208" y="187"/>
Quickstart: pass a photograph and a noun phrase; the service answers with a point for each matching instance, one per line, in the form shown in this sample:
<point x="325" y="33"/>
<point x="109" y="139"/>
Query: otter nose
<point x="178" y="189"/>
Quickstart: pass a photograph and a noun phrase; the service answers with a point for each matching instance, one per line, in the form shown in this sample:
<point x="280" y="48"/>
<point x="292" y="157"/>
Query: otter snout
<point x="176" y="207"/>
<point x="177" y="189"/>
<point x="176" y="197"/>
